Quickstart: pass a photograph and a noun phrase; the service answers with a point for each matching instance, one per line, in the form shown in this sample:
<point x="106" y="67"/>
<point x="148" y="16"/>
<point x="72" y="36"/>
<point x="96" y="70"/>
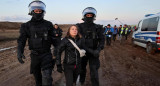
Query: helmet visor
<point x="89" y="10"/>
<point x="36" y="5"/>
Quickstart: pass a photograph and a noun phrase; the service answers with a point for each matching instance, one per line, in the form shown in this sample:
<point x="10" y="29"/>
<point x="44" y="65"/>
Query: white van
<point x="147" y="34"/>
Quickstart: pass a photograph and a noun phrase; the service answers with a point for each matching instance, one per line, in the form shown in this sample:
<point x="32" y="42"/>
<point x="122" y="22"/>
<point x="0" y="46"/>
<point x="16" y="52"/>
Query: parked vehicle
<point x="147" y="34"/>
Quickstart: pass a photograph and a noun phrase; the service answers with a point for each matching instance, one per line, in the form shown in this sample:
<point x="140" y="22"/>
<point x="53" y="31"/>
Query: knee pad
<point x="47" y="77"/>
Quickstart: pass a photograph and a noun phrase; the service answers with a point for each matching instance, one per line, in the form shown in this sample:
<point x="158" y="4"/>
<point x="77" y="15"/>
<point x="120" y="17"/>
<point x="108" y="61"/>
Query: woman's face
<point x="73" y="31"/>
<point x="55" y="26"/>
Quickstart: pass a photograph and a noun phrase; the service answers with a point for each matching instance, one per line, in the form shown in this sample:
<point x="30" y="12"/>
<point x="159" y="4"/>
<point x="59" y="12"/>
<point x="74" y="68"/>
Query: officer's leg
<point x="94" y="65"/>
<point x="68" y="71"/>
<point x="36" y="69"/>
<point x="83" y="69"/>
<point x="38" y="76"/>
<point x="47" y="67"/>
<point x="47" y="77"/>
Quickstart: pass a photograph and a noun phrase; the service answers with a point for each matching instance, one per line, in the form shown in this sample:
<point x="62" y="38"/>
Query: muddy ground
<point x="121" y="65"/>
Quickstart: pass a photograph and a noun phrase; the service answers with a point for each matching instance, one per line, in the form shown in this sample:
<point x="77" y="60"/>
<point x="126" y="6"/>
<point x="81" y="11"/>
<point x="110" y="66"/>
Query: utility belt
<point x="37" y="52"/>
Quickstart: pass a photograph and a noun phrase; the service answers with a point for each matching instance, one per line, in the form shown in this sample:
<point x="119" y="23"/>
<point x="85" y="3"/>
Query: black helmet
<point x="89" y="10"/>
<point x="36" y="4"/>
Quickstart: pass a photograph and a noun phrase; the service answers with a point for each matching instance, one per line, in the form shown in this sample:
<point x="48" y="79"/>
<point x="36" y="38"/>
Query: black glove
<point x="20" y="56"/>
<point x="59" y="68"/>
<point x="91" y="51"/>
<point x="96" y="53"/>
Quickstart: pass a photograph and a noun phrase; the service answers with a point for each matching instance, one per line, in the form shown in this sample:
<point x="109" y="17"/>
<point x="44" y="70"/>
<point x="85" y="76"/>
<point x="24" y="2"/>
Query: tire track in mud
<point x="126" y="66"/>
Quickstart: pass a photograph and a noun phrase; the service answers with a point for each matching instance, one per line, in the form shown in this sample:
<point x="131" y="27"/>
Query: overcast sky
<point x="70" y="11"/>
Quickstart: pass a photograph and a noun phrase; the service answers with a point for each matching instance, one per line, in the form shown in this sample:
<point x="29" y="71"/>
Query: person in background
<point x="129" y="29"/>
<point x="115" y="31"/>
<point x="57" y="37"/>
<point x="124" y="33"/>
<point x="119" y="32"/>
<point x="108" y="33"/>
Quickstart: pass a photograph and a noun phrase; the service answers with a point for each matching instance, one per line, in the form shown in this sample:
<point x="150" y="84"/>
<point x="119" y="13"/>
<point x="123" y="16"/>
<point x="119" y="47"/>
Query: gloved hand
<point x="20" y="56"/>
<point x="59" y="68"/>
<point x="96" y="53"/>
<point x="91" y="51"/>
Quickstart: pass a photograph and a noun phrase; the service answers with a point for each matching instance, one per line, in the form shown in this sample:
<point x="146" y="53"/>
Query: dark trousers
<point x="71" y="74"/>
<point x="108" y="40"/>
<point x="57" y="41"/>
<point x="114" y="37"/>
<point x="94" y="65"/>
<point x="126" y="36"/>
<point x="41" y="68"/>
<point x="43" y="78"/>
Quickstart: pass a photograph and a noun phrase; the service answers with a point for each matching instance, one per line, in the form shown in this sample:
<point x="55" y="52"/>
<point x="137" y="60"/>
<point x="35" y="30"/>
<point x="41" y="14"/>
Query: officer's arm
<point x="51" y="32"/>
<point x="89" y="50"/>
<point x="83" y="44"/>
<point x="60" y="49"/>
<point x="101" y="39"/>
<point x="21" y="43"/>
<point x="22" y="39"/>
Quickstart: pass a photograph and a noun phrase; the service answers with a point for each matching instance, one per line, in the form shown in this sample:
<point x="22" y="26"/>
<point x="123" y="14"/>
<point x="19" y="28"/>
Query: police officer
<point x="57" y="37"/>
<point x="94" y="40"/>
<point x="39" y="33"/>
<point x="124" y="33"/>
<point x="115" y="31"/>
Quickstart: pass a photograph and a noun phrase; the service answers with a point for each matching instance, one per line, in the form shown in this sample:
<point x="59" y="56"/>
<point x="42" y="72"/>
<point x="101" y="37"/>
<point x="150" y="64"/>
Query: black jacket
<point x="39" y="35"/>
<point x="57" y="31"/>
<point x="93" y="34"/>
<point x="72" y="55"/>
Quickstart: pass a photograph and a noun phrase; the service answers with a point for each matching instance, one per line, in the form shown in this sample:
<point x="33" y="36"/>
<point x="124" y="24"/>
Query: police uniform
<point x="39" y="33"/>
<point x="57" y="39"/>
<point x="94" y="41"/>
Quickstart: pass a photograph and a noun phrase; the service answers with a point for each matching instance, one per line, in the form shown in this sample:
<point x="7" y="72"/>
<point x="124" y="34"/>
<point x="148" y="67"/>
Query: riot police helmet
<point x="89" y="10"/>
<point x="36" y="4"/>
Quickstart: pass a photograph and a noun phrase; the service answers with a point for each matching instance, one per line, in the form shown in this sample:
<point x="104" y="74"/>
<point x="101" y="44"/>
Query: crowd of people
<point x="116" y="33"/>
<point x="82" y="45"/>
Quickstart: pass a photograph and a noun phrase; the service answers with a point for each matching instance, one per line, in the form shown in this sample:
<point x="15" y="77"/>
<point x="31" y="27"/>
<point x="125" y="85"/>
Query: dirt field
<point x="121" y="65"/>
